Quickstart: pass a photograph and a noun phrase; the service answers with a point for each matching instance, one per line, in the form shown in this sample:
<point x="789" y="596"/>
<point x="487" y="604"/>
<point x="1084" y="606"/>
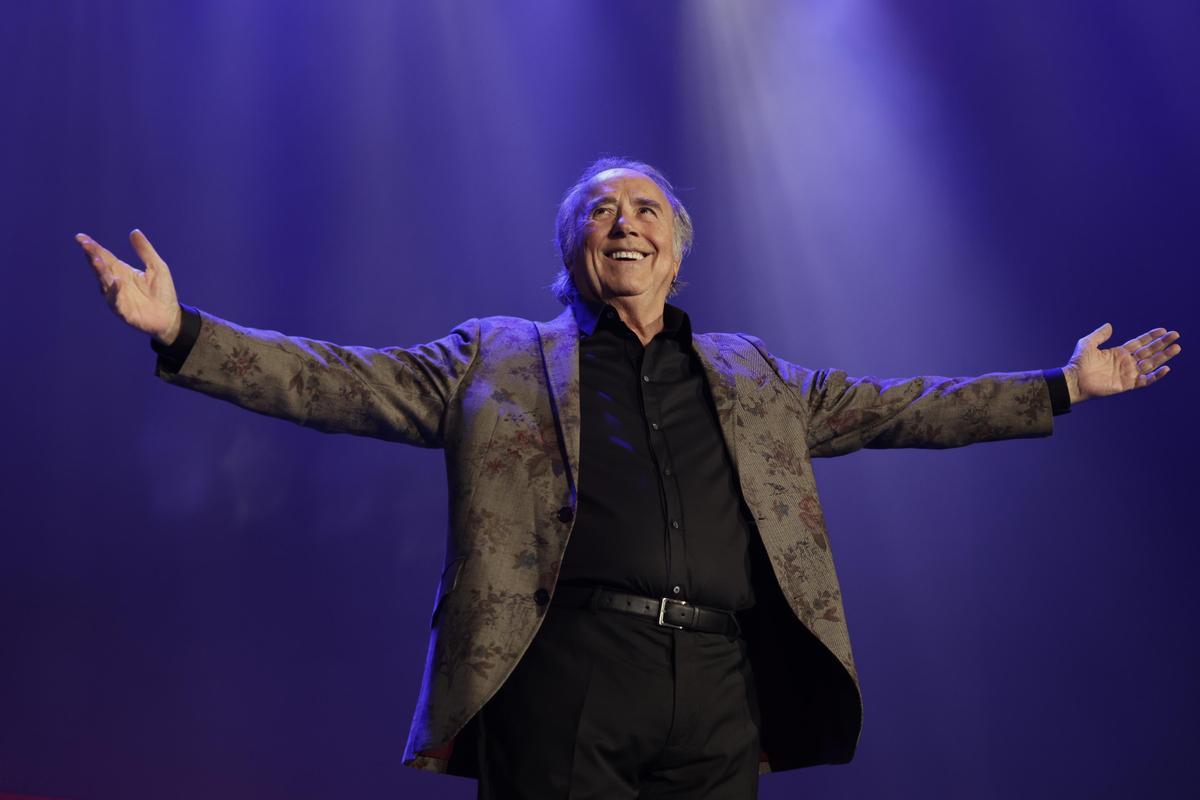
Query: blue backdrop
<point x="196" y="602"/>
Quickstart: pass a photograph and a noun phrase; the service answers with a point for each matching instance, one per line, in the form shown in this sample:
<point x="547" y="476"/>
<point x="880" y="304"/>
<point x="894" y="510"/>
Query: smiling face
<point x="628" y="241"/>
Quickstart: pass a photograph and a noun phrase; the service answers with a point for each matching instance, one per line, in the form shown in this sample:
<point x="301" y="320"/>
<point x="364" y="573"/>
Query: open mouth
<point x="625" y="255"/>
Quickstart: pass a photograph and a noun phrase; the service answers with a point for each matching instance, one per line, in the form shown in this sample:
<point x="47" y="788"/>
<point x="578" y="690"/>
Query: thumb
<point x="1099" y="336"/>
<point x="145" y="251"/>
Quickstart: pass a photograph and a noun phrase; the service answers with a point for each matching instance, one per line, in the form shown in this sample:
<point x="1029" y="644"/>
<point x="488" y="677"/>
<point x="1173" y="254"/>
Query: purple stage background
<point x="196" y="602"/>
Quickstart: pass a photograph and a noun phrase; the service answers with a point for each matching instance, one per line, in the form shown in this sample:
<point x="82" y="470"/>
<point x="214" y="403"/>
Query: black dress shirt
<point x="660" y="511"/>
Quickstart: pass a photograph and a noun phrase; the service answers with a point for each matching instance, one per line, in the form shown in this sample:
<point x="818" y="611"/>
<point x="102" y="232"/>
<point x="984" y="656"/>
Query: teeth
<point x="627" y="255"/>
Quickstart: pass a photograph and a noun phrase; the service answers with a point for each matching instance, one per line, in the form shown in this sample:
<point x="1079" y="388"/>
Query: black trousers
<point x="611" y="706"/>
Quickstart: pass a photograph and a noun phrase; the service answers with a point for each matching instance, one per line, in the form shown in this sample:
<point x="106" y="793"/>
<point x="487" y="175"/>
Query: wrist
<point x="1071" y="373"/>
<point x="169" y="336"/>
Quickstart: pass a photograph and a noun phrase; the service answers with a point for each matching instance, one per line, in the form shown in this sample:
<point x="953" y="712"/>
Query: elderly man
<point x="691" y="635"/>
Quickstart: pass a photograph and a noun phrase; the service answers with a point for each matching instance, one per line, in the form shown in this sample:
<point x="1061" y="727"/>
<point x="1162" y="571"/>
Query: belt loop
<point x="593" y="603"/>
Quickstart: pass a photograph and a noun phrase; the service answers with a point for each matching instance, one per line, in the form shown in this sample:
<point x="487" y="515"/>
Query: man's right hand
<point x="144" y="300"/>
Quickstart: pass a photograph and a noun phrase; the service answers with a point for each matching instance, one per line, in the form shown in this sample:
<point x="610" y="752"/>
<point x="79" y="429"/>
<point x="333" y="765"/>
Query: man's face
<point x="628" y="240"/>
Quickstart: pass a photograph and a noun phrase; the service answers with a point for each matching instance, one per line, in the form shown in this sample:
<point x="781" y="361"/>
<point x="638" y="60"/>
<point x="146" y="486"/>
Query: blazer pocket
<point x="446" y="585"/>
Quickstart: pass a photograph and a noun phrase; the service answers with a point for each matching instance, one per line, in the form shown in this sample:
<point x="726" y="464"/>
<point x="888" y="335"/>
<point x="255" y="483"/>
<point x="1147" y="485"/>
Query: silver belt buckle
<point x="662" y="610"/>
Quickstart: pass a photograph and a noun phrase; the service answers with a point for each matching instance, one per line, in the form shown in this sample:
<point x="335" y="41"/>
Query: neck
<point x="645" y="319"/>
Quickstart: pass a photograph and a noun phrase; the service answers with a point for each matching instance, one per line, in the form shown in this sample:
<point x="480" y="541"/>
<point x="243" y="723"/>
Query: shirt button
<point x="646" y="378"/>
<point x="675" y="523"/>
<point x="676" y="589"/>
<point x="541" y="597"/>
<point x="566" y="514"/>
<point x="666" y="470"/>
<point x="653" y="426"/>
<point x="610" y="313"/>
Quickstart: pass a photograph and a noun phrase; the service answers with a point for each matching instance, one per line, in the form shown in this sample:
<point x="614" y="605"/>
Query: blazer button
<point x="541" y="597"/>
<point x="566" y="514"/>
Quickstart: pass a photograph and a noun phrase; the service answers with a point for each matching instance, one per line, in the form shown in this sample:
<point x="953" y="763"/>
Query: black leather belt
<point x="666" y="611"/>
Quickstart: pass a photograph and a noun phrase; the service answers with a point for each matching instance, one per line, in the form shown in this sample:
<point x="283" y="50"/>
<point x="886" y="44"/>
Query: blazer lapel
<point x="559" y="341"/>
<point x="723" y="385"/>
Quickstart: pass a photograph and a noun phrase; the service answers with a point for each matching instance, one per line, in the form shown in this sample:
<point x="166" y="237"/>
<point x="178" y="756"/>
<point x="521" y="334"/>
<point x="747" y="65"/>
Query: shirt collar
<point x="589" y="315"/>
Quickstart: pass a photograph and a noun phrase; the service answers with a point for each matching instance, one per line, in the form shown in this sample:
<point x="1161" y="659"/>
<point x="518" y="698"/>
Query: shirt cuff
<point x="1060" y="395"/>
<point x="171" y="356"/>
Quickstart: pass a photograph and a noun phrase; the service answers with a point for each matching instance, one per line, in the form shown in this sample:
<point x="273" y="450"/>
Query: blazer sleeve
<point x="844" y="413"/>
<point x="394" y="393"/>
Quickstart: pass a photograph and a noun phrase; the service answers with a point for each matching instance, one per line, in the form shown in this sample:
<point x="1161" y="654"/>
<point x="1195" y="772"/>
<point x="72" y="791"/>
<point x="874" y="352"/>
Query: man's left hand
<point x="1093" y="372"/>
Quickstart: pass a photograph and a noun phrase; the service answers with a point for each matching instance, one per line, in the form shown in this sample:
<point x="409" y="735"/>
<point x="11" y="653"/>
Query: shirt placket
<point x="654" y="387"/>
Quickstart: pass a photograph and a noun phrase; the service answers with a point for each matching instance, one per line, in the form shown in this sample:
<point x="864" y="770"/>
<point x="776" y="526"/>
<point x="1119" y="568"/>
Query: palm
<point x="145" y="300"/>
<point x="1137" y="363"/>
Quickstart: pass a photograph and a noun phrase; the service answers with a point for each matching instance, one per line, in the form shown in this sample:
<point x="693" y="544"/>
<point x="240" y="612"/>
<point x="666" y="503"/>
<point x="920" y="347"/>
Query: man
<point x="692" y="633"/>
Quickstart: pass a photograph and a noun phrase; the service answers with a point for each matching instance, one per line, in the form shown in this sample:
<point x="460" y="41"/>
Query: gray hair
<point x="570" y="219"/>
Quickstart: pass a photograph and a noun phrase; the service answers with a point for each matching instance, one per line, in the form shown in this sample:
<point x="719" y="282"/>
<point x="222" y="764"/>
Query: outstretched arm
<point x="844" y="413"/>
<point x="1093" y="372"/>
<point x="394" y="393"/>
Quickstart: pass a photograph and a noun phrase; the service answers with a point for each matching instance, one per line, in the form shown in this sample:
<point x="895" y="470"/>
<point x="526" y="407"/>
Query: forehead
<point x="622" y="181"/>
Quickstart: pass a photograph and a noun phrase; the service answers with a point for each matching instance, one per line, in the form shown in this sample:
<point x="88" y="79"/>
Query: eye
<point x="601" y="211"/>
<point x="650" y="210"/>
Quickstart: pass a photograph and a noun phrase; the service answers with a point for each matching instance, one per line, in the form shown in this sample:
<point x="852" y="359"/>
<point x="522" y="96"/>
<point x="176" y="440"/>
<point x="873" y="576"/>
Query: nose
<point x="622" y="225"/>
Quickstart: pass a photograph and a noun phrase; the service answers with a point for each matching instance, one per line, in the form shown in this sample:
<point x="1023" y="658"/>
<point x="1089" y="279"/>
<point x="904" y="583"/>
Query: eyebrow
<point x="638" y="201"/>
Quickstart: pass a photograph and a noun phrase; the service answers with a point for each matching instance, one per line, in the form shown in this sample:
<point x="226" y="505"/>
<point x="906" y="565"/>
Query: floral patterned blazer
<point x="501" y="395"/>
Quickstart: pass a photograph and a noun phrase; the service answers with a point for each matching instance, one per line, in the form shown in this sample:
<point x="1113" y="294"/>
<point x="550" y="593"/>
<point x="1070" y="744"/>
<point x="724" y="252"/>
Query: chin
<point x="628" y="286"/>
<point x="625" y="291"/>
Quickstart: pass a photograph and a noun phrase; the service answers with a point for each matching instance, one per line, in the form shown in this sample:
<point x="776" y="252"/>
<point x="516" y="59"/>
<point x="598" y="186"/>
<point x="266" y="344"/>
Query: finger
<point x="1147" y="365"/>
<point x="1159" y="344"/>
<point x="100" y="251"/>
<point x="89" y="245"/>
<point x="101" y="254"/>
<point x="1146" y="380"/>
<point x="1144" y="339"/>
<point x="99" y="258"/>
<point x="1098" y="336"/>
<point x="97" y="266"/>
